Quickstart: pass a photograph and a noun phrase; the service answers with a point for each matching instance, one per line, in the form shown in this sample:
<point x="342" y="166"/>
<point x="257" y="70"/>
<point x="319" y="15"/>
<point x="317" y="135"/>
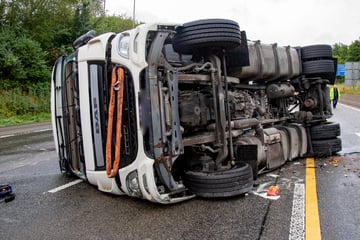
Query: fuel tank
<point x="269" y="62"/>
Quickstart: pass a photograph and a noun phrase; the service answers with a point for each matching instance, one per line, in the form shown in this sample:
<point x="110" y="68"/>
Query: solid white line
<point x="298" y="213"/>
<point x="54" y="190"/>
<point x="43" y="130"/>
<point x="347" y="106"/>
<point x="23" y="133"/>
<point x="6" y="136"/>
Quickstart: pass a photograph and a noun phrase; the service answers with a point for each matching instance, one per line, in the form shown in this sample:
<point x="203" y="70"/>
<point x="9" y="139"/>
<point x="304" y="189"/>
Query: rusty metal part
<point x="239" y="124"/>
<point x="219" y="106"/>
<point x="162" y="146"/>
<point x="310" y="103"/>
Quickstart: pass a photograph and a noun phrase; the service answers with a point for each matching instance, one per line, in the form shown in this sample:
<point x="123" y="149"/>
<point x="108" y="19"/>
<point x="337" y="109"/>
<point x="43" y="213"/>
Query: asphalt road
<point x="29" y="163"/>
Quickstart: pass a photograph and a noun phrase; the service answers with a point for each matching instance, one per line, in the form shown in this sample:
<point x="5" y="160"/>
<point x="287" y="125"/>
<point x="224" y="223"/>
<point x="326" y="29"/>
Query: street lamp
<point x="134" y="15"/>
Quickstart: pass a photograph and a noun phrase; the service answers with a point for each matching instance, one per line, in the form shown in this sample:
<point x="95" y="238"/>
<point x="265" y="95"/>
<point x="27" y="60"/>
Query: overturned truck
<point x="168" y="112"/>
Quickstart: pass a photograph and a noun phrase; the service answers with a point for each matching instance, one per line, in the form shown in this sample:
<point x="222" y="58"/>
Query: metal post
<point x="134" y="15"/>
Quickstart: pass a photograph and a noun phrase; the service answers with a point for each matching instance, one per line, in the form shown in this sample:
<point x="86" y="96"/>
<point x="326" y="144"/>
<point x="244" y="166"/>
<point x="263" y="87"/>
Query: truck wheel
<point x="326" y="147"/>
<point x="325" y="131"/>
<point x="323" y="68"/>
<point x="318" y="67"/>
<point x="316" y="52"/>
<point x="226" y="183"/>
<point x="203" y="35"/>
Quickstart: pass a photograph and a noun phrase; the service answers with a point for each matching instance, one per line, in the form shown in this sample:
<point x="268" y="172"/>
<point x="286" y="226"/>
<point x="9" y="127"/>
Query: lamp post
<point x="134" y="15"/>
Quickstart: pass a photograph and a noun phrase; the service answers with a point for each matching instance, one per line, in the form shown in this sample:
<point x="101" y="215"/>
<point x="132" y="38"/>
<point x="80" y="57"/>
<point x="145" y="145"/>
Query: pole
<point x="134" y="15"/>
<point x="103" y="25"/>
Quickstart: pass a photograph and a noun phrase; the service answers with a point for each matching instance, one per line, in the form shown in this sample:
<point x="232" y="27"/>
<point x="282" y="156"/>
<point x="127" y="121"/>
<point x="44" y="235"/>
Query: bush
<point x="21" y="60"/>
<point x="17" y="102"/>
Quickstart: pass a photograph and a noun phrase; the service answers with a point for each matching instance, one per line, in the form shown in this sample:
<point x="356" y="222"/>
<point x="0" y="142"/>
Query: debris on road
<point x="335" y="160"/>
<point x="273" y="191"/>
<point x="262" y="191"/>
<point x="6" y="194"/>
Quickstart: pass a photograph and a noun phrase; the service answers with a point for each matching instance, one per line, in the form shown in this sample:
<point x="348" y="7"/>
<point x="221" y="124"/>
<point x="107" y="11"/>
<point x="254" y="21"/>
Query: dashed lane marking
<point x="54" y="190"/>
<point x="297" y="213"/>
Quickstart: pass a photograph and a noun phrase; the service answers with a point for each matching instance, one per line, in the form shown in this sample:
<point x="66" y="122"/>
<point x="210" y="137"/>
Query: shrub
<point x="21" y="60"/>
<point x="17" y="102"/>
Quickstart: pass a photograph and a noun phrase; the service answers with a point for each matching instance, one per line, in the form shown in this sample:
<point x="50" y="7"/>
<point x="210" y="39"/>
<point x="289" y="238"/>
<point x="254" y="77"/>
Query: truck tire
<point x="317" y="67"/>
<point x="316" y="52"/>
<point x="225" y="183"/>
<point x="326" y="147"/>
<point x="325" y="131"/>
<point x="204" y="35"/>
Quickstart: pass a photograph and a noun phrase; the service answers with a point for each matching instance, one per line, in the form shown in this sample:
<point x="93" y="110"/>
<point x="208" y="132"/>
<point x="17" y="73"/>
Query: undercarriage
<point x="212" y="118"/>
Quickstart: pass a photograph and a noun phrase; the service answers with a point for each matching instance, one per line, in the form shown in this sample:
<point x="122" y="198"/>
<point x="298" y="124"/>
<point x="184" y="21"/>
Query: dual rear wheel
<point x="325" y="139"/>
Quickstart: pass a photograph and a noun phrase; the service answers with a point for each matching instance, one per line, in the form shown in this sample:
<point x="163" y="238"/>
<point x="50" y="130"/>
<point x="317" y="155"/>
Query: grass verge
<point x="19" y="105"/>
<point x="349" y="89"/>
<point x="23" y="119"/>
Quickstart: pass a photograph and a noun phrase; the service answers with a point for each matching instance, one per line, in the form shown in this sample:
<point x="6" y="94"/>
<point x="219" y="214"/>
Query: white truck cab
<point x="167" y="112"/>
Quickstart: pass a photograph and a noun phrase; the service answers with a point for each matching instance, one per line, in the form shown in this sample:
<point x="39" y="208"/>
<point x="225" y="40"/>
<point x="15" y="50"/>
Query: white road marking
<point x="352" y="108"/>
<point x="298" y="213"/>
<point x="6" y="136"/>
<point x="43" y="130"/>
<point x="17" y="134"/>
<point x="358" y="134"/>
<point x="54" y="190"/>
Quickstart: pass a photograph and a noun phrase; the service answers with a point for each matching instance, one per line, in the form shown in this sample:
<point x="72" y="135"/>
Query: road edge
<point x="22" y="129"/>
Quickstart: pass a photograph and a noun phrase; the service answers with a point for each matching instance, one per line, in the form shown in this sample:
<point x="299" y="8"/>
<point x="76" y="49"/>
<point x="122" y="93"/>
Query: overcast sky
<point x="286" y="22"/>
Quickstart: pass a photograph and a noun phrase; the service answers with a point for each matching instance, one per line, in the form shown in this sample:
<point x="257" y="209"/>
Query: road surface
<point x="46" y="208"/>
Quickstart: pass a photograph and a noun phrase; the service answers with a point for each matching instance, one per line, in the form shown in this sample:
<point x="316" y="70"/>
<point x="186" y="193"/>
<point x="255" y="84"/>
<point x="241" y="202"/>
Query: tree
<point x="354" y="52"/>
<point x="113" y="24"/>
<point x="340" y="51"/>
<point x="22" y="61"/>
<point x="82" y="22"/>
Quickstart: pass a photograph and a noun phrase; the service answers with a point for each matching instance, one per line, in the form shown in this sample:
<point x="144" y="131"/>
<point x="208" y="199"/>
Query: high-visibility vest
<point x="332" y="93"/>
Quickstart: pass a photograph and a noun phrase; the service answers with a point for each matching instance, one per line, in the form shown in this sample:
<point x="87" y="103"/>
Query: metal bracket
<point x="162" y="155"/>
<point x="177" y="146"/>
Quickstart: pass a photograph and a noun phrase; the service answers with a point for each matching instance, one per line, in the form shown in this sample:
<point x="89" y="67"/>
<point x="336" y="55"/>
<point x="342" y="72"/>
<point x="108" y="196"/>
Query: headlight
<point x="132" y="184"/>
<point x="124" y="45"/>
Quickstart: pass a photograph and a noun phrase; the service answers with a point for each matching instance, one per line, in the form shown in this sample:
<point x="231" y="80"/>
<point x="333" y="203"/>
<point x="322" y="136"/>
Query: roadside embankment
<point x="351" y="100"/>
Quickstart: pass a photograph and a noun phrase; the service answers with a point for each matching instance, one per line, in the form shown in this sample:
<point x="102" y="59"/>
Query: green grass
<point x="348" y="89"/>
<point x="19" y="105"/>
<point x="23" y="119"/>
